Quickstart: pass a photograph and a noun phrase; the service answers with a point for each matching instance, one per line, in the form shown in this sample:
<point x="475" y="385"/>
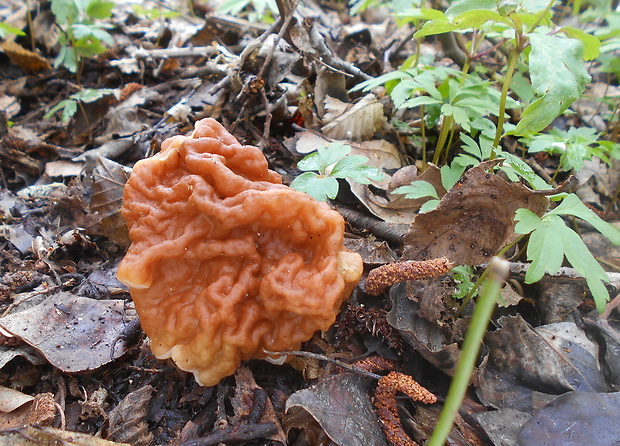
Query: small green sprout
<point x="332" y="161"/>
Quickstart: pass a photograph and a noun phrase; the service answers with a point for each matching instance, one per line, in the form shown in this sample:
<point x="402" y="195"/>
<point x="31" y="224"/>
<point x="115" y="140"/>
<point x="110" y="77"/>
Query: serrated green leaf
<point x="572" y="205"/>
<point x="420" y="100"/>
<point x="54" y="109"/>
<point x="311" y="162"/>
<point x="68" y="111"/>
<point x="319" y="187"/>
<point x="527" y="221"/>
<point x="558" y="76"/>
<point x="451" y="174"/>
<point x="429" y="206"/>
<point x="544" y="250"/>
<point x="91" y="94"/>
<point x="331" y="153"/>
<point x="64" y="9"/>
<point x="418" y="189"/>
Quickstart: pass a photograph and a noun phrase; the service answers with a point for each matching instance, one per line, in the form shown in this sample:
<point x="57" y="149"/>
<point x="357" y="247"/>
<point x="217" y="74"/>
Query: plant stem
<point x="540" y="17"/>
<point x="443" y="136"/>
<point x="498" y="271"/>
<point x="512" y="65"/>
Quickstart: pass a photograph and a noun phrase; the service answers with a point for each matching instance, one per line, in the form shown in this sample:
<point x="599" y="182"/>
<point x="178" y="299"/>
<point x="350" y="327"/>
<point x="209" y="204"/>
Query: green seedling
<point x="69" y="106"/>
<point x="551" y="241"/>
<point x="82" y="35"/>
<point x="332" y="161"/>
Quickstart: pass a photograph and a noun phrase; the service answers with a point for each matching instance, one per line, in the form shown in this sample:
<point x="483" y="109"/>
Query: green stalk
<point x="512" y="65"/>
<point x="443" y="136"/>
<point x="541" y="16"/>
<point x="498" y="271"/>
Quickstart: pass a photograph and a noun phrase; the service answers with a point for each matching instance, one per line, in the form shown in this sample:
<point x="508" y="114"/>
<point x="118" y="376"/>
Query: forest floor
<point x="75" y="116"/>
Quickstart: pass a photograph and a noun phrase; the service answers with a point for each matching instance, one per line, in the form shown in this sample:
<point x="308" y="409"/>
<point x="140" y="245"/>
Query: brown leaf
<point x="29" y="61"/>
<point x="73" y="333"/>
<point x="47" y="436"/>
<point x="473" y="221"/>
<point x="341" y="405"/>
<point x="41" y="410"/>
<point x="109" y="181"/>
<point x="128" y="419"/>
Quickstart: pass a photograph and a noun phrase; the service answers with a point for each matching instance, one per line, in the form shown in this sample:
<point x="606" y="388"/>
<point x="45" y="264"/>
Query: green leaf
<point x="420" y="100"/>
<point x="572" y="205"/>
<point x="353" y="167"/>
<point x="312" y="162"/>
<point x="550" y="241"/>
<point x="331" y="153"/>
<point x="451" y="174"/>
<point x="54" y="109"/>
<point x="319" y="187"/>
<point x="69" y="111"/>
<point x="430" y="205"/>
<point x="458" y="7"/>
<point x="558" y="76"/>
<point x="65" y="10"/>
<point x="418" y="189"/>
<point x="91" y="94"/>
<point x="8" y="29"/>
<point x="591" y="44"/>
<point x="545" y="248"/>
<point x="100" y="9"/>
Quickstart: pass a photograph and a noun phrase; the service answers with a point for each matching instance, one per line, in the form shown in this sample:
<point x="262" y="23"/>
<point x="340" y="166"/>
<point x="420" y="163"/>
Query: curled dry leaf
<point x="474" y="219"/>
<point x="28" y="61"/>
<point x="127" y="421"/>
<point x="109" y="181"/>
<point x="358" y="123"/>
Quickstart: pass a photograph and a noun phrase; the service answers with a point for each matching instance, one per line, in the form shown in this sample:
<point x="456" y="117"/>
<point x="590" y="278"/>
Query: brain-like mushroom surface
<point x="225" y="261"/>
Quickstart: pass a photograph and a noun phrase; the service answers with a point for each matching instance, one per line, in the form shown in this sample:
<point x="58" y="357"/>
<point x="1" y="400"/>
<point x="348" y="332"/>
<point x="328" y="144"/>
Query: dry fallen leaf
<point x="47" y="436"/>
<point x="40" y="410"/>
<point x="73" y="333"/>
<point x="474" y="219"/>
<point x="109" y="182"/>
<point x="28" y="61"/>
<point x="358" y="123"/>
<point x="341" y="405"/>
<point x="127" y="421"/>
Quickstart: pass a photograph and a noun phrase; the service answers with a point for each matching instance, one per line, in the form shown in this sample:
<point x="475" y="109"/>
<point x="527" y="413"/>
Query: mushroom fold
<point x="225" y="261"/>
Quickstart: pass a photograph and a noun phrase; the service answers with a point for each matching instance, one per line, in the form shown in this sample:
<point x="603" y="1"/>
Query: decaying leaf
<point x="553" y="359"/>
<point x="48" y="436"/>
<point x="28" y="61"/>
<point x="109" y="181"/>
<point x="40" y="410"/>
<point x="424" y="336"/>
<point x="359" y="122"/>
<point x="127" y="421"/>
<point x="73" y="333"/>
<point x="341" y="405"/>
<point x="474" y="220"/>
<point x="575" y="419"/>
<point x="248" y="397"/>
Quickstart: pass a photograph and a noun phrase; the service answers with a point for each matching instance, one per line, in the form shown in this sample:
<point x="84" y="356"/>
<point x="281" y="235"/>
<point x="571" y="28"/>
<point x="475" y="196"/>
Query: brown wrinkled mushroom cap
<point x="226" y="261"/>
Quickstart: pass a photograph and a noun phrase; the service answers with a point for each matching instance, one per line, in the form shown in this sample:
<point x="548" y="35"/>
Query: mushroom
<point x="225" y="261"/>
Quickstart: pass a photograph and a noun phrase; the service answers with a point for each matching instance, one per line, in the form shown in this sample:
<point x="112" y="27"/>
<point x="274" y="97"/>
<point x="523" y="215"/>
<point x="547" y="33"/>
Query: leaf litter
<point x="70" y="341"/>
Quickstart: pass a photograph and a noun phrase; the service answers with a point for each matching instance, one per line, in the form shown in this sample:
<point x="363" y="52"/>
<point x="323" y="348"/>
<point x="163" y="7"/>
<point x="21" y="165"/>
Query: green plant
<point x="155" y="13"/>
<point x="551" y="240"/>
<point x="574" y="146"/>
<point x="6" y="30"/>
<point x="81" y="37"/>
<point x="70" y="106"/>
<point x="255" y="10"/>
<point x="332" y="161"/>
